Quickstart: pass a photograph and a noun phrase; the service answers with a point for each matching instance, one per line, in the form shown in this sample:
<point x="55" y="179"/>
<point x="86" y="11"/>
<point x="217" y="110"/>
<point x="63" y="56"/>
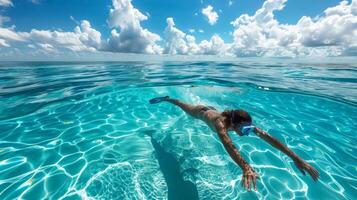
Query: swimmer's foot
<point x="158" y="99"/>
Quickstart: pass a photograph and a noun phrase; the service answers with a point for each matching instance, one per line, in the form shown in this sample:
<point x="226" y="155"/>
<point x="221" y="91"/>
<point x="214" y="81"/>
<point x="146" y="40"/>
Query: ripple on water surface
<point x="107" y="142"/>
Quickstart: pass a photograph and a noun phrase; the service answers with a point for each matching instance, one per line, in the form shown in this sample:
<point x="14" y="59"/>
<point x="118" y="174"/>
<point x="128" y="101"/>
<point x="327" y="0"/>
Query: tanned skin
<point x="218" y="123"/>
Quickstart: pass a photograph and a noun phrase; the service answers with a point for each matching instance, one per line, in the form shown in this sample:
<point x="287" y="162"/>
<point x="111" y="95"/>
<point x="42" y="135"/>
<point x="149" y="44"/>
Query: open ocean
<point x="86" y="130"/>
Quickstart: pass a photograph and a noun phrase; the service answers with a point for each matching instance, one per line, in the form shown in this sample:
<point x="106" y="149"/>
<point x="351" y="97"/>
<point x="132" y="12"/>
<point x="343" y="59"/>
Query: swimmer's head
<point x="238" y="120"/>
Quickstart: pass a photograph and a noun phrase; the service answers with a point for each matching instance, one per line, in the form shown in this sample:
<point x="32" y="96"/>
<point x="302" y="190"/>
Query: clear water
<point x="86" y="130"/>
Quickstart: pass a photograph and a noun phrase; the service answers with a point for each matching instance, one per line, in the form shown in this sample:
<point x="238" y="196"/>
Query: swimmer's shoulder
<point x="219" y="122"/>
<point x="213" y="115"/>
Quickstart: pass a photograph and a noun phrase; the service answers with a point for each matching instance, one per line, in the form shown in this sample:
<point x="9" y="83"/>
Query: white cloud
<point x="88" y="36"/>
<point x="67" y="40"/>
<point x="215" y="46"/>
<point x="10" y="34"/>
<point x="47" y="47"/>
<point x="84" y="38"/>
<point x="262" y="35"/>
<point x="333" y="33"/>
<point x="260" y="30"/>
<point x="192" y="47"/>
<point x="338" y="27"/>
<point x="132" y="37"/>
<point x="3" y="19"/>
<point x="3" y="43"/>
<point x="5" y="3"/>
<point x="175" y="41"/>
<point x="211" y="15"/>
<point x="178" y="42"/>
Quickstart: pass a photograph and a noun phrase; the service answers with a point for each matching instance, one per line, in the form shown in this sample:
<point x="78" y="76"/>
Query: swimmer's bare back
<point x="233" y="120"/>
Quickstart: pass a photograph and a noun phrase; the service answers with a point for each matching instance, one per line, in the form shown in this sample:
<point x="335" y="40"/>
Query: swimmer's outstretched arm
<point x="249" y="176"/>
<point x="300" y="163"/>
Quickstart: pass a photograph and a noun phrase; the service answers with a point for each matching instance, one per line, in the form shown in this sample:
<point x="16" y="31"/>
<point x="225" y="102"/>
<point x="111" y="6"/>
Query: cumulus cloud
<point x="47" y="47"/>
<point x="333" y="33"/>
<point x="338" y="27"/>
<point x="5" y="3"/>
<point x="3" y="19"/>
<point x="11" y="35"/>
<point x="215" y="46"/>
<point x="211" y="15"/>
<point x="262" y="35"/>
<point x="132" y="37"/>
<point x="178" y="42"/>
<point x="5" y="33"/>
<point x="3" y="43"/>
<point x="260" y="30"/>
<point x="175" y="39"/>
<point x="88" y="36"/>
<point x="84" y="38"/>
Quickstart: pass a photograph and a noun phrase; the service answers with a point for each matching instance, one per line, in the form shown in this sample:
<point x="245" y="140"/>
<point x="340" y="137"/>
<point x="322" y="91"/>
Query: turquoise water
<point x="86" y="130"/>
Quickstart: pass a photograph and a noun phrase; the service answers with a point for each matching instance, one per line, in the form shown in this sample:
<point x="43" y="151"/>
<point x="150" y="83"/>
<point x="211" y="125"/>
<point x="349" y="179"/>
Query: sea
<point x="86" y="130"/>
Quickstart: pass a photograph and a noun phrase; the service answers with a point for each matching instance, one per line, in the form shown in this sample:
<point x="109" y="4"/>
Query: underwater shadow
<point x="178" y="188"/>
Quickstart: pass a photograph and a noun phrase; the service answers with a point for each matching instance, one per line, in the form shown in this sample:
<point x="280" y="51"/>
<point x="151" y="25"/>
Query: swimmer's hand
<point x="249" y="178"/>
<point x="304" y="166"/>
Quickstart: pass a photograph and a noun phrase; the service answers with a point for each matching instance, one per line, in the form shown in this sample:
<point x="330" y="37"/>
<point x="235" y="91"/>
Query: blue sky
<point x="222" y="38"/>
<point x="55" y="14"/>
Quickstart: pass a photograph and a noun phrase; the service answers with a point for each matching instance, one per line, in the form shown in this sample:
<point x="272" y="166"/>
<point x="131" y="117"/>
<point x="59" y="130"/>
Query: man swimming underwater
<point x="241" y="122"/>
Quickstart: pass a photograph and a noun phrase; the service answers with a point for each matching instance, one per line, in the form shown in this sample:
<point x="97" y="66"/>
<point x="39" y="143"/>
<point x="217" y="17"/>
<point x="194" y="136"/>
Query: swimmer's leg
<point x="192" y="110"/>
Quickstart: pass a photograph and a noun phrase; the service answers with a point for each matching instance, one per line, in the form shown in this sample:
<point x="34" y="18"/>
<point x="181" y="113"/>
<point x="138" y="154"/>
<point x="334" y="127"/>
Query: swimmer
<point x="240" y="122"/>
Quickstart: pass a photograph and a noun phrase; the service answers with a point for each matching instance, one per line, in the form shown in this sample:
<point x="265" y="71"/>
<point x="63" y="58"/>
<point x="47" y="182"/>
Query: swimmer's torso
<point x="210" y="116"/>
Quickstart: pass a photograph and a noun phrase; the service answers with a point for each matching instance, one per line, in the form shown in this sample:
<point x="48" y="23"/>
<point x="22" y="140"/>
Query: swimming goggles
<point x="245" y="129"/>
